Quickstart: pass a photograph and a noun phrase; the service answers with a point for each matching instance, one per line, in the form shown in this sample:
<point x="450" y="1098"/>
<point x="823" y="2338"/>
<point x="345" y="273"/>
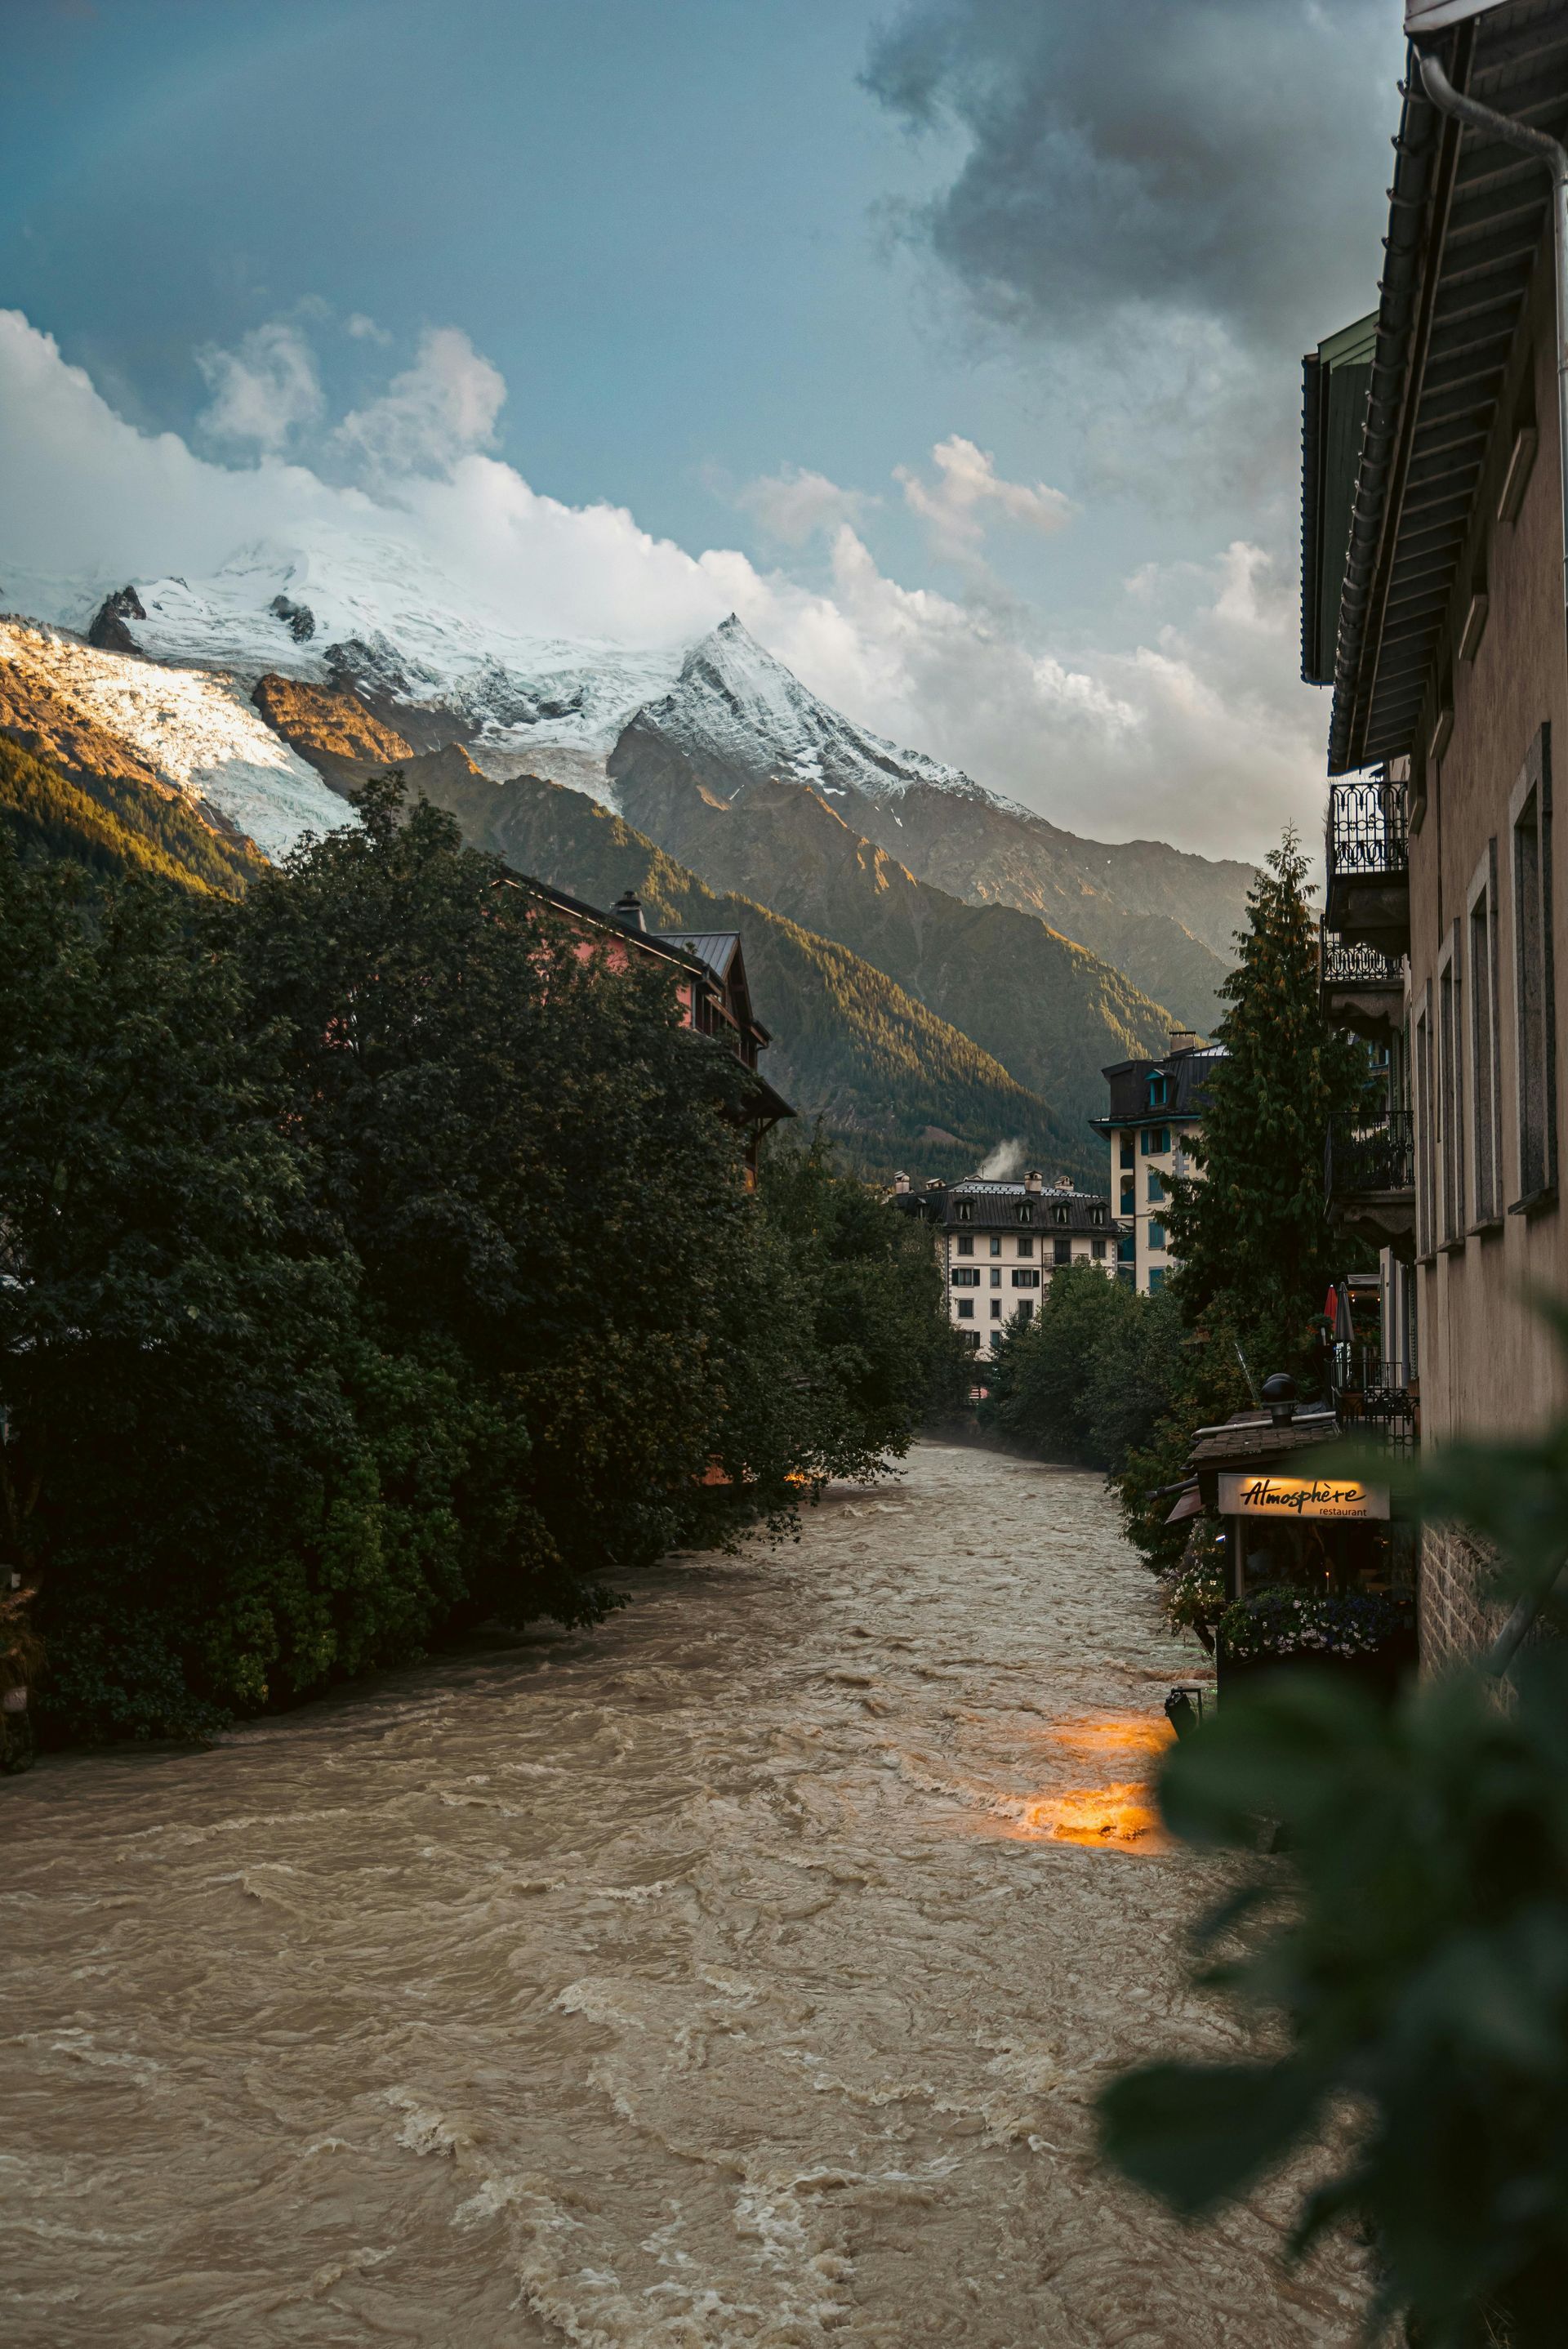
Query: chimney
<point x="1183" y="1040"/>
<point x="1064" y="1182"/>
<point x="628" y="911"/>
<point x="900" y="1184"/>
<point x="1034" y="1180"/>
<point x="934" y="1182"/>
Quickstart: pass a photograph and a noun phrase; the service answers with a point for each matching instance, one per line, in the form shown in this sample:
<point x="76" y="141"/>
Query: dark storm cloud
<point x="1218" y="160"/>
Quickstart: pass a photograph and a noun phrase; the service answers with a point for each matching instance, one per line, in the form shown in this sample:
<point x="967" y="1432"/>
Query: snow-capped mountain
<point x="733" y="707"/>
<point x="372" y="612"/>
<point x="654" y="732"/>
<point x="186" y="727"/>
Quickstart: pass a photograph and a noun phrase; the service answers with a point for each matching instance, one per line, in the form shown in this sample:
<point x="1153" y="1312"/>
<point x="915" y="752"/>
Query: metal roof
<point x="715" y="948"/>
<point x="1466" y="224"/>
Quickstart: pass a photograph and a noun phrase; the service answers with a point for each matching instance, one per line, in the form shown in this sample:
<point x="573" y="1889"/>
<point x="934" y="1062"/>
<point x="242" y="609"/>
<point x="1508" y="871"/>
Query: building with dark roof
<point x="1000" y="1244"/>
<point x="708" y="971"/>
<point x="1155" y="1108"/>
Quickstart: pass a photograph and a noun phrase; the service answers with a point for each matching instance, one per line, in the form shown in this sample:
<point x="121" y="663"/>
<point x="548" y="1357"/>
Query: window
<point x="996" y="1276"/>
<point x="1530" y="813"/>
<point x="1027" y="1309"/>
<point x="1025" y="1280"/>
<point x="1156" y="1236"/>
<point x="1156" y="1278"/>
<point x="965" y="1244"/>
<point x="1026" y="1248"/>
<point x="1126" y="1248"/>
<point x="1485" y="1123"/>
<point x="1025" y="1214"/>
<point x="966" y="1279"/>
<point x="1425" y="1160"/>
<point x="996" y="1248"/>
<point x="1097" y="1214"/>
<point x="1127" y="1149"/>
<point x="1450" y="1091"/>
<point x="996" y="1309"/>
<point x="1062" y="1249"/>
<point x="971" y="1338"/>
<point x="1158" y="1091"/>
<point x="963" y="1213"/>
<point x="1128" y="1196"/>
<point x="1098" y="1248"/>
<point x="1061" y="1214"/>
<point x="966" y="1308"/>
<point x="1156" y="1186"/>
<point x="1155" y="1141"/>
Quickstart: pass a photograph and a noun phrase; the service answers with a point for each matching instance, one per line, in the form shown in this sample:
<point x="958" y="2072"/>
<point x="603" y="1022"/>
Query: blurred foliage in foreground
<point x="1413" y="1944"/>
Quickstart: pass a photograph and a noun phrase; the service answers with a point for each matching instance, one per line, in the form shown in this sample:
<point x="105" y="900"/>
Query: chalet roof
<point x="719" y="951"/>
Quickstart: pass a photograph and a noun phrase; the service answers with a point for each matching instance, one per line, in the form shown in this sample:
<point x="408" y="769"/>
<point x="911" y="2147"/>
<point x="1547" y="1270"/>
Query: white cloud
<point x="364" y="329"/>
<point x="969" y="494"/>
<point x="436" y="412"/>
<point x="1200" y="734"/>
<point x="264" y="390"/>
<point x="793" y="505"/>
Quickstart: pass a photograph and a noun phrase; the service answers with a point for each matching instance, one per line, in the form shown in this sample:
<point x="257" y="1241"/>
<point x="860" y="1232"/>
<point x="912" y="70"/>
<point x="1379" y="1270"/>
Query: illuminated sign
<point x="1301" y="1496"/>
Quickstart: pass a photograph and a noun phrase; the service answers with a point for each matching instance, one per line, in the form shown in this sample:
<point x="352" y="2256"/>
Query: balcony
<point x="1363" y="988"/>
<point x="1369" y="1178"/>
<point x="1368" y="851"/>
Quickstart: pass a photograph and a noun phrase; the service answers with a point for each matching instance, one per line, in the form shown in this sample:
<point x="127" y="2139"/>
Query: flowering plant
<point x="1282" y="1621"/>
<point x="1195" y="1594"/>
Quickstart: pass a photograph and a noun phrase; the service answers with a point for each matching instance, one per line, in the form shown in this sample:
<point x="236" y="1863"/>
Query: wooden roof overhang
<point x="1466" y="222"/>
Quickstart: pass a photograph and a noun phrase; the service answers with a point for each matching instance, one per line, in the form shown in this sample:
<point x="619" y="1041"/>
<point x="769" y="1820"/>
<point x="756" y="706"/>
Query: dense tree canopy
<point x="371" y="1258"/>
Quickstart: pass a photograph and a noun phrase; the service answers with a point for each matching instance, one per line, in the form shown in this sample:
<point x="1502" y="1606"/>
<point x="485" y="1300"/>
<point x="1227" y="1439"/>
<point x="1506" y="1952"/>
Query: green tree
<point x="184" y="1479"/>
<point x="1089" y="1378"/>
<point x="1255" y="1247"/>
<point x="880" y="1354"/>
<point x="1256" y="1251"/>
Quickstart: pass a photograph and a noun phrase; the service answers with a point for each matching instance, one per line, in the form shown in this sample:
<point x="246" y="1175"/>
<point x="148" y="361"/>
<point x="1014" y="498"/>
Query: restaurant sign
<point x="1301" y="1496"/>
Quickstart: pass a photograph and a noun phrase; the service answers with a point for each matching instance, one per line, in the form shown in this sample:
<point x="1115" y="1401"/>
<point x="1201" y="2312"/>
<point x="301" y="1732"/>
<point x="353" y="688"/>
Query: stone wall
<point x="1456" y="1618"/>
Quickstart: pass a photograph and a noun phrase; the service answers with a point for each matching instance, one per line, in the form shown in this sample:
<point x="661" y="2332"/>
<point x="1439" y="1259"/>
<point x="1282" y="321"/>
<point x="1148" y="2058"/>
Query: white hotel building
<point x="1000" y="1243"/>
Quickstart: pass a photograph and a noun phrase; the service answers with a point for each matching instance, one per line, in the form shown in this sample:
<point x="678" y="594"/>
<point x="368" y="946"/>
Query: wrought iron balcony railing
<point x="1366" y="831"/>
<point x="1377" y="1154"/>
<point x="1345" y="965"/>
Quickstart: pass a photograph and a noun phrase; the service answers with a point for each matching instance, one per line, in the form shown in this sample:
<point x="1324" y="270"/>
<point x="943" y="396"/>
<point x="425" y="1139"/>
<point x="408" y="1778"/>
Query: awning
<point x="1188" y="1505"/>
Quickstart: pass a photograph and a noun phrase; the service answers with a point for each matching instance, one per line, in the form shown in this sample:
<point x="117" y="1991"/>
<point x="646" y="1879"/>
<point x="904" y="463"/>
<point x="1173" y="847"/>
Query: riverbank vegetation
<point x="371" y="1261"/>
<point x="1122" y="1382"/>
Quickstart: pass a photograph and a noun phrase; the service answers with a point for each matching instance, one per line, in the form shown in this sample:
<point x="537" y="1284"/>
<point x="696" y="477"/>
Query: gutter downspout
<point x="1552" y="152"/>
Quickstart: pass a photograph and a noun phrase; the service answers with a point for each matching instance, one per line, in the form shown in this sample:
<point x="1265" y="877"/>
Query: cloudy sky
<point x="955" y="343"/>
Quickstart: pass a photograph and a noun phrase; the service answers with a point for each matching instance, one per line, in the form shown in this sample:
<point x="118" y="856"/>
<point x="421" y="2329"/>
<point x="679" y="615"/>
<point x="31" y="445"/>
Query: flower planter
<point x="1378" y="1674"/>
<point x="1363" y="1638"/>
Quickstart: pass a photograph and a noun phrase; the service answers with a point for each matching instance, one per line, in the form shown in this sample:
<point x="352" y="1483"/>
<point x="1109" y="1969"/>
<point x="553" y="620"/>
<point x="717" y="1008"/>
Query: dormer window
<point x="1158" y="1091"/>
<point x="1062" y="1215"/>
<point x="1025" y="1214"/>
<point x="963" y="1213"/>
<point x="1097" y="1214"/>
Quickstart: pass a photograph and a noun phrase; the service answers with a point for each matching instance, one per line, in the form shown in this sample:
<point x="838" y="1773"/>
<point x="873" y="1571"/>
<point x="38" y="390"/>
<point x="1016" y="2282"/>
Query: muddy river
<point x="739" y="1973"/>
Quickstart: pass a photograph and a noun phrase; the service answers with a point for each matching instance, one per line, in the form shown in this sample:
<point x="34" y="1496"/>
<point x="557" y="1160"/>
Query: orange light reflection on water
<point x="1118" y="1816"/>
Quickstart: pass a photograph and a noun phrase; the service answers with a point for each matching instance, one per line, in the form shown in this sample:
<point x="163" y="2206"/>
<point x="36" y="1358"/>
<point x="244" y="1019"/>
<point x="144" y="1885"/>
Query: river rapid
<point x="742" y="1972"/>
